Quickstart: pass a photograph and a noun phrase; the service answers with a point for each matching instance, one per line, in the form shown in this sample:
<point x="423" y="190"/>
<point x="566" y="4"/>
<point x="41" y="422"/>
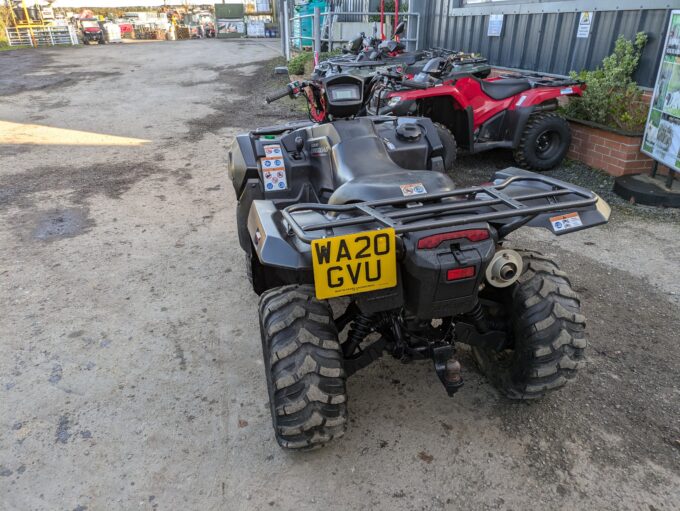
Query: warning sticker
<point x="564" y="222"/>
<point x="272" y="163"/>
<point x="412" y="189"/>
<point x="274" y="180"/>
<point x="274" y="172"/>
<point x="272" y="150"/>
<point x="567" y="91"/>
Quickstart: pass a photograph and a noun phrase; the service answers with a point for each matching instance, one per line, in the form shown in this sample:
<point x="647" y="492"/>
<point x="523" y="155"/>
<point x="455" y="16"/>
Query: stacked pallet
<point x="149" y="33"/>
<point x="183" y="33"/>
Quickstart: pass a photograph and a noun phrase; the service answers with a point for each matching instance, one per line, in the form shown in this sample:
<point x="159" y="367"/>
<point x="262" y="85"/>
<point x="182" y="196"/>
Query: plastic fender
<point x="269" y="240"/>
<point x="540" y="95"/>
<point x="432" y="92"/>
<point x="483" y="106"/>
<point x="241" y="158"/>
<point x="520" y="117"/>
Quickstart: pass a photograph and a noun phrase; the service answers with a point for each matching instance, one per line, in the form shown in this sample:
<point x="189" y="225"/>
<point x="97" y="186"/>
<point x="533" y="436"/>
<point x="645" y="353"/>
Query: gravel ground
<point x="131" y="374"/>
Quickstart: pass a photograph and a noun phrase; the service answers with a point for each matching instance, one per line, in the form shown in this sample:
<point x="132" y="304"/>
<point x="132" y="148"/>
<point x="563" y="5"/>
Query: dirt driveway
<point x="130" y="367"/>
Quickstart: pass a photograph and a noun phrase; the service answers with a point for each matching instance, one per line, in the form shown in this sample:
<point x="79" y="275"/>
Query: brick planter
<point x="616" y="153"/>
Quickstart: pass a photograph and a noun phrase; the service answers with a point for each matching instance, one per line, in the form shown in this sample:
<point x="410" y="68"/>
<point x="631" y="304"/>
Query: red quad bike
<point x="517" y="112"/>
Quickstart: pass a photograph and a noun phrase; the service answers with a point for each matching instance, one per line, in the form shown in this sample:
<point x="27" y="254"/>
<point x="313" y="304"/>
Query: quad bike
<point x="92" y="32"/>
<point x="365" y="56"/>
<point x="373" y="48"/>
<point x="457" y="64"/>
<point x="514" y="111"/>
<point x="359" y="244"/>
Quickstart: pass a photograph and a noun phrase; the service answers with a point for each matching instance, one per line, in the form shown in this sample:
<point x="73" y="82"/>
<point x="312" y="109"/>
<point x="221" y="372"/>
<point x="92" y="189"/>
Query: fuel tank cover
<point x="410" y="132"/>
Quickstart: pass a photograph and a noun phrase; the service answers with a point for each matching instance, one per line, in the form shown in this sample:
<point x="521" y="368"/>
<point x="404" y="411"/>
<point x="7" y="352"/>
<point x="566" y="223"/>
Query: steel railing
<point x="289" y="36"/>
<point x="43" y="36"/>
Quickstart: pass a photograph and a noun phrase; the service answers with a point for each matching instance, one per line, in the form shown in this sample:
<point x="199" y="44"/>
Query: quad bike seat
<point x="504" y="88"/>
<point x="363" y="169"/>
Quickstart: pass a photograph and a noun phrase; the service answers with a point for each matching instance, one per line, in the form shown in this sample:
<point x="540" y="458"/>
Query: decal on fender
<point x="564" y="222"/>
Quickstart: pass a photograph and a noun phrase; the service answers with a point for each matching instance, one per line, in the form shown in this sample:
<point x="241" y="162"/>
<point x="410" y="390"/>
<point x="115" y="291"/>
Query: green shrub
<point x="612" y="97"/>
<point x="296" y="65"/>
<point x="303" y="62"/>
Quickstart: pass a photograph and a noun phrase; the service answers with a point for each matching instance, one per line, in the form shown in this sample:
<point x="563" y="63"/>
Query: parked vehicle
<point x="367" y="55"/>
<point x="374" y="48"/>
<point x="92" y="31"/>
<point x="514" y="111"/>
<point x="357" y="216"/>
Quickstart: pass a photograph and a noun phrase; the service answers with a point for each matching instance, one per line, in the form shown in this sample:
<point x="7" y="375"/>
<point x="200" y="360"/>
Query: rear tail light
<point x="437" y="239"/>
<point x="460" y="273"/>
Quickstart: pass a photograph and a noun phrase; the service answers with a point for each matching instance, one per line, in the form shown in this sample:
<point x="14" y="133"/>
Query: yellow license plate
<point x="354" y="263"/>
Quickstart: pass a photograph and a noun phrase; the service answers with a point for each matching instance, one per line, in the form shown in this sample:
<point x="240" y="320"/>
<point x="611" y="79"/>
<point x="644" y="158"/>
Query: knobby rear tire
<point x="547" y="329"/>
<point x="527" y="154"/>
<point x="304" y="367"/>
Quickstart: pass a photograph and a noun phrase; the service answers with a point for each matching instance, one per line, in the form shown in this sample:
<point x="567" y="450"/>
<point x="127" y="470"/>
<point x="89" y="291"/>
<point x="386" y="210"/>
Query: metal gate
<point x="44" y="36"/>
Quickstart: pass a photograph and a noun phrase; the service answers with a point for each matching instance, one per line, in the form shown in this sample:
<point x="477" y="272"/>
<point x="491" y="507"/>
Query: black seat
<point x="363" y="169"/>
<point x="501" y="89"/>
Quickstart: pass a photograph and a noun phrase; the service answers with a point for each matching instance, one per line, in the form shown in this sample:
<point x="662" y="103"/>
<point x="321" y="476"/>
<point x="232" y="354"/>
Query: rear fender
<point x="242" y="162"/>
<point x="526" y="103"/>
<point x="516" y="119"/>
<point x="533" y="97"/>
<point x="269" y="238"/>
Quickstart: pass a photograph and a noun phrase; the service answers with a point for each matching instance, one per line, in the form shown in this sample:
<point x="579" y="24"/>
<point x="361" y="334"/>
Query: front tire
<point x="304" y="368"/>
<point x="544" y="143"/>
<point x="546" y="328"/>
<point x="450" y="146"/>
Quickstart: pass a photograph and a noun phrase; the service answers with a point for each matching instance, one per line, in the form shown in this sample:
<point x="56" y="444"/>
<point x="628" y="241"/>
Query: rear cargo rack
<point x="543" y="80"/>
<point x="419" y="212"/>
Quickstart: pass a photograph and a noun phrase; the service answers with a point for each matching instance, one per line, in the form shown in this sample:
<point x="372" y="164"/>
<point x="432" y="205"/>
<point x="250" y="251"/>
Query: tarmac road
<point x="131" y="374"/>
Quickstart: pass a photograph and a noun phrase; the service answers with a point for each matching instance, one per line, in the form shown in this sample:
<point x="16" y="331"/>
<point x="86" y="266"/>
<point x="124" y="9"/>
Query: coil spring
<point x="479" y="318"/>
<point x="359" y="329"/>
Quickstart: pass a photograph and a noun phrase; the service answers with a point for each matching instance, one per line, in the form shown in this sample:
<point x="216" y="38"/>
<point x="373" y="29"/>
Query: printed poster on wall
<point x="584" y="23"/>
<point x="662" y="132"/>
<point x="495" y="25"/>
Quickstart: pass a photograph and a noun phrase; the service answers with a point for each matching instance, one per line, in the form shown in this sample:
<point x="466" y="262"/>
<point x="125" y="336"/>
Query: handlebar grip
<point x="282" y="93"/>
<point x="415" y="85"/>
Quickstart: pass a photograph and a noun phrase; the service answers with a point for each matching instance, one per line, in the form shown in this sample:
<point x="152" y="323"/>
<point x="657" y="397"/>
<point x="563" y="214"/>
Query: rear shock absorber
<point x="358" y="330"/>
<point x="479" y="318"/>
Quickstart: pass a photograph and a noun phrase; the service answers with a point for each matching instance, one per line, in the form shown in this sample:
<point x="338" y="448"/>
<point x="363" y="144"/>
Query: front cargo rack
<point x="420" y="214"/>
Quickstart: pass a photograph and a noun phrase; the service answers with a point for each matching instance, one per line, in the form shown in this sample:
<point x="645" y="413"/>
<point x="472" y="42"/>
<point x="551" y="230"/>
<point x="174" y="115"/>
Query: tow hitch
<point x="447" y="367"/>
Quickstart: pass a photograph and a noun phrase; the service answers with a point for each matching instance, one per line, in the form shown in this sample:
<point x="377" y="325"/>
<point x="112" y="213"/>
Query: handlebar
<point x="291" y="90"/>
<point x="415" y="85"/>
<point x="281" y="93"/>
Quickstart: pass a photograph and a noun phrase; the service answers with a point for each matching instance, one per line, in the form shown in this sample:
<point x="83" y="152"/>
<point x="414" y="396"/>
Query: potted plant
<point x="608" y="121"/>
